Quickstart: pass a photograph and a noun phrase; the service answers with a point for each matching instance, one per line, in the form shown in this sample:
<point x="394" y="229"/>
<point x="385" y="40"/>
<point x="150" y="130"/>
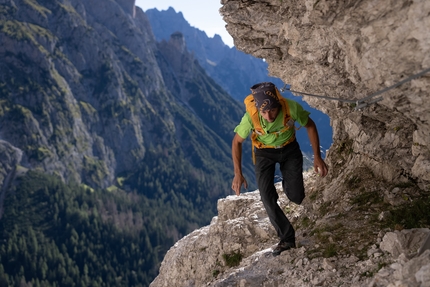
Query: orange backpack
<point x="258" y="130"/>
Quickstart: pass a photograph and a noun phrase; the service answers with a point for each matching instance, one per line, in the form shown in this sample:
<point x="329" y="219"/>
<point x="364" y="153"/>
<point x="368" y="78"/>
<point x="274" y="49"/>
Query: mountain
<point x="234" y="70"/>
<point x="112" y="145"/>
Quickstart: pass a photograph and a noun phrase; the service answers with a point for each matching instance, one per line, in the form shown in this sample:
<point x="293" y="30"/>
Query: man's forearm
<point x="319" y="165"/>
<point x="313" y="137"/>
<point x="236" y="151"/>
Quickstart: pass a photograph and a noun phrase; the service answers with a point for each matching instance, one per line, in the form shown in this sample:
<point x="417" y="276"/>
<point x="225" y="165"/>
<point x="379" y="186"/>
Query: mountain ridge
<point x="104" y="117"/>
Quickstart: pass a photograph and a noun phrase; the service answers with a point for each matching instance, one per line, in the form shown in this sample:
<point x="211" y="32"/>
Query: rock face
<point x="351" y="50"/>
<point x="86" y="93"/>
<point x="10" y="156"/>
<point x="379" y="161"/>
<point x="70" y="83"/>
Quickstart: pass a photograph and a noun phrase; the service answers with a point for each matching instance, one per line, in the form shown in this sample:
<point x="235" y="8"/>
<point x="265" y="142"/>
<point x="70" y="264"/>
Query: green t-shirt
<point x="297" y="113"/>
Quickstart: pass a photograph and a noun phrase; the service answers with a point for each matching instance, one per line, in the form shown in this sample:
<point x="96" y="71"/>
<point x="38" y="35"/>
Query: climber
<point x="270" y="118"/>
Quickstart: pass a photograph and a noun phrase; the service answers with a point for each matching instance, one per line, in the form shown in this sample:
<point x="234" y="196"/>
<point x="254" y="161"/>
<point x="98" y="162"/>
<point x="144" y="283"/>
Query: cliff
<point x="87" y="94"/>
<point x="103" y="130"/>
<point x="350" y="51"/>
<point x="362" y="225"/>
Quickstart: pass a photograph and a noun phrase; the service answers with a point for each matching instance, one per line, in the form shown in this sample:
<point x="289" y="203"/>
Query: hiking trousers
<point x="290" y="161"/>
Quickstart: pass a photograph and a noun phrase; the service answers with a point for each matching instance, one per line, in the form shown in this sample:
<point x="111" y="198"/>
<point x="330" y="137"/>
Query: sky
<point x="201" y="14"/>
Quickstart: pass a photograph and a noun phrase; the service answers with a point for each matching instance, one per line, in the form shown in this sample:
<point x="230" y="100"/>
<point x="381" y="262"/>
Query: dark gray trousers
<point x="290" y="161"/>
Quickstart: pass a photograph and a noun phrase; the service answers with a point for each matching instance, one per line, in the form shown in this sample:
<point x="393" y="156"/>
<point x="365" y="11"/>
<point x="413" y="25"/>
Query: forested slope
<point x="113" y="146"/>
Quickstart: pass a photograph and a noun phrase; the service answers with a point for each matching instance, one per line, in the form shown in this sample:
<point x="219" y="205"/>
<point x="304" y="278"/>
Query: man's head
<point x="266" y="100"/>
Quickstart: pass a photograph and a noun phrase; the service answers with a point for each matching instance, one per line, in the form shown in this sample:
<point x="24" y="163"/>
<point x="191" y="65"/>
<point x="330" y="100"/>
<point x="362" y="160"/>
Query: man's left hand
<point x="320" y="167"/>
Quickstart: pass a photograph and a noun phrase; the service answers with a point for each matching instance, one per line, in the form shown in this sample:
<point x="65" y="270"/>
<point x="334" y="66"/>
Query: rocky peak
<point x="128" y="6"/>
<point x="234" y="70"/>
<point x="176" y="55"/>
<point x="178" y="41"/>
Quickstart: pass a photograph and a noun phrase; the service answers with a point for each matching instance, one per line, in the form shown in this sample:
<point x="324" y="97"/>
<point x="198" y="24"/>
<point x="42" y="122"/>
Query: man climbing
<point x="270" y="118"/>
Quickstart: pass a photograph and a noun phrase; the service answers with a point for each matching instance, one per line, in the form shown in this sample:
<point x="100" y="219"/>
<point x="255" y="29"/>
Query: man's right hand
<point x="238" y="180"/>
<point x="236" y="152"/>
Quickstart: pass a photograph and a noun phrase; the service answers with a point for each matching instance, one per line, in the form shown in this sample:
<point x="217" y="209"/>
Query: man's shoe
<point x="282" y="246"/>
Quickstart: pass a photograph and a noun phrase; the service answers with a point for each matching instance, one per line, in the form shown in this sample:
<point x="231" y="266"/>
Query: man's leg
<point x="291" y="166"/>
<point x="265" y="172"/>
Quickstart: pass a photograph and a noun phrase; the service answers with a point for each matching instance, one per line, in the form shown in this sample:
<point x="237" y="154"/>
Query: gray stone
<point x="404" y="241"/>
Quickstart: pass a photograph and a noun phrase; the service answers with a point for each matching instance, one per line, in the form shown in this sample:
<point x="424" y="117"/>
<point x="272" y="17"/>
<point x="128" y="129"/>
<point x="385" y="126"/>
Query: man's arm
<point x="319" y="165"/>
<point x="236" y="151"/>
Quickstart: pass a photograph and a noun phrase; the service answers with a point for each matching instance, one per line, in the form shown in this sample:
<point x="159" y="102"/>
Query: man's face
<point x="270" y="115"/>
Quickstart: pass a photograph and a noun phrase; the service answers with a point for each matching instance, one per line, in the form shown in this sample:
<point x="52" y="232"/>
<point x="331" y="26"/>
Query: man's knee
<point x="297" y="197"/>
<point x="294" y="190"/>
<point x="296" y="194"/>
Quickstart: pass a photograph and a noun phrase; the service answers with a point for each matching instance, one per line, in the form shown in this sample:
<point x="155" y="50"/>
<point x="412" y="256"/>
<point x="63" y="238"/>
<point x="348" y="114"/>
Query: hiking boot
<point x="282" y="246"/>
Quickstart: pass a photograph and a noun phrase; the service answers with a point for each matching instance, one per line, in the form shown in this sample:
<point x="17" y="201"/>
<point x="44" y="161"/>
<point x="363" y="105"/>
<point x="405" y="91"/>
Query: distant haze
<point x="203" y="15"/>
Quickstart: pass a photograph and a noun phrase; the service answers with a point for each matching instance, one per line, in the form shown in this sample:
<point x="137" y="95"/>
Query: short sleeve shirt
<point x="297" y="112"/>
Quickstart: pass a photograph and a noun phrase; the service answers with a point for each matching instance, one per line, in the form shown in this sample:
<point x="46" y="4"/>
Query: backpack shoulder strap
<point x="258" y="130"/>
<point x="288" y="120"/>
<point x="253" y="113"/>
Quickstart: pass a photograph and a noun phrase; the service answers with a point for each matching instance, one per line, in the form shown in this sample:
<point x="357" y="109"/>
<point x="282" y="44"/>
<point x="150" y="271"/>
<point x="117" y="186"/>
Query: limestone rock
<point x="400" y="242"/>
<point x="351" y="51"/>
<point x="243" y="229"/>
